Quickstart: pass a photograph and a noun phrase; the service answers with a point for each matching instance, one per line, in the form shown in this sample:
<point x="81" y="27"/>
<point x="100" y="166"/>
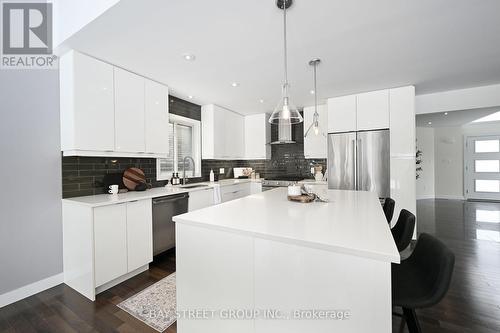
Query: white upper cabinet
<point x="235" y="135"/>
<point x="87" y="105"/>
<point x="402" y="121"/>
<point x="257" y="137"/>
<point x="108" y="111"/>
<point x="373" y="110"/>
<point x="342" y="114"/>
<point x="315" y="146"/>
<point x="223" y="133"/>
<point x="366" y="111"/>
<point x="129" y="112"/>
<point x="156" y="117"/>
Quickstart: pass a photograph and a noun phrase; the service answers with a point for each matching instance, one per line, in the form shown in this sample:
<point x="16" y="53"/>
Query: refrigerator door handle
<point x="354" y="164"/>
<point x="359" y="160"/>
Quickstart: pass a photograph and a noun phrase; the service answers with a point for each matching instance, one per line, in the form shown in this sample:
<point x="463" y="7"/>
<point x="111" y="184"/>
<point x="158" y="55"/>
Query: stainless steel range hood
<point x="284" y="133"/>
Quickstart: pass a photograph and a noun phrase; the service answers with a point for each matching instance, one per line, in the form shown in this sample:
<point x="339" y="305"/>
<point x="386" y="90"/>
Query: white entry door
<point x="482" y="167"/>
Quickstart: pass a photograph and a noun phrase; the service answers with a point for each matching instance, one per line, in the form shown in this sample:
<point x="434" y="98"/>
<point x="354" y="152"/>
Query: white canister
<point x="294" y="190"/>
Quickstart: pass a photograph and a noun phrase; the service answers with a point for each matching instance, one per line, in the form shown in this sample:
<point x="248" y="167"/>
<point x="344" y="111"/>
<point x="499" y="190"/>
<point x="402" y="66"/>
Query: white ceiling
<point x="364" y="45"/>
<point x="453" y="118"/>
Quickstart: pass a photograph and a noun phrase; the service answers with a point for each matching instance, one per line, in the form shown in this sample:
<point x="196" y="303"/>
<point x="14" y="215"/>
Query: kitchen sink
<point x="194" y="186"/>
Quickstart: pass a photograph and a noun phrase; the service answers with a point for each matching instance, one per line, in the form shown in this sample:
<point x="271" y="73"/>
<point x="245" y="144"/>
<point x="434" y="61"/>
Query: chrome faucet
<point x="184" y="168"/>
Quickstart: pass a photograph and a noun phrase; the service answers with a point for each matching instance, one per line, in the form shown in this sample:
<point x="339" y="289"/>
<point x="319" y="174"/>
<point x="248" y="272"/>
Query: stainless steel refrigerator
<point x="360" y="161"/>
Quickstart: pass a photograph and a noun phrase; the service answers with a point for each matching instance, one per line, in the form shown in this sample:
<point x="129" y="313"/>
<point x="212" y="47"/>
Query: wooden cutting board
<point x="302" y="198"/>
<point x="132" y="177"/>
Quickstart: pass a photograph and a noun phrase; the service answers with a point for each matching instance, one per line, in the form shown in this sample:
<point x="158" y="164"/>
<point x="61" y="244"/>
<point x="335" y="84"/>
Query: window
<point x="487" y="166"/>
<point x="483" y="185"/>
<point x="184" y="140"/>
<point x="487" y="146"/>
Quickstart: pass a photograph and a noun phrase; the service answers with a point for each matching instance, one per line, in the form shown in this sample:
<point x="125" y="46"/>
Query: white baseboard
<point x="425" y="196"/>
<point x="450" y="197"/>
<point x="30" y="289"/>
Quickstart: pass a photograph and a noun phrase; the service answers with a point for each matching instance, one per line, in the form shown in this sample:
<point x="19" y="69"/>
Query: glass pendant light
<point x="315" y="127"/>
<point x="285" y="112"/>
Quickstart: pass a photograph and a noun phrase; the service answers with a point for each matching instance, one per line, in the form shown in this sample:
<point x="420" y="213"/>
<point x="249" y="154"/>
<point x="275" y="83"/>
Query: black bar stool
<point x="423" y="279"/>
<point x="403" y="230"/>
<point x="389" y="209"/>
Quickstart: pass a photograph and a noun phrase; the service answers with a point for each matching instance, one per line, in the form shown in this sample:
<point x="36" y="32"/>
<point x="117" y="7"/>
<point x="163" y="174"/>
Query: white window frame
<point x="196" y="130"/>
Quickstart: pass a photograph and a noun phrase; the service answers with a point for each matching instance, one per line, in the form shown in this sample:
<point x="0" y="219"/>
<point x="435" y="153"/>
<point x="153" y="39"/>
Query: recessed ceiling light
<point x="429" y="123"/>
<point x="189" y="57"/>
<point x="235" y="84"/>
<point x="311" y="92"/>
<point x="261" y="101"/>
<point x="190" y="97"/>
<point x="446" y="113"/>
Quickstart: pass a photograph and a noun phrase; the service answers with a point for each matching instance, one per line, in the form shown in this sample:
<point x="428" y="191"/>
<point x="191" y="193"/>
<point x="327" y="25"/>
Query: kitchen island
<point x="265" y="264"/>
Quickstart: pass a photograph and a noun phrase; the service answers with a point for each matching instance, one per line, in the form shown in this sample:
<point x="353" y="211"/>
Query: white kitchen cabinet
<point x="372" y="110"/>
<point x="129" y="112"/>
<point x="108" y="111"/>
<point x="342" y="114"/>
<point x="234" y="135"/>
<point x="105" y="245"/>
<point x="110" y="243"/>
<point x="201" y="199"/>
<point x="403" y="185"/>
<point x="212" y="124"/>
<point x="257" y="137"/>
<point x="315" y="146"/>
<point x="402" y="121"/>
<point x="223" y="133"/>
<point x="236" y="191"/>
<point x="139" y="234"/>
<point x="255" y="187"/>
<point x="87" y="105"/>
<point x="156" y="117"/>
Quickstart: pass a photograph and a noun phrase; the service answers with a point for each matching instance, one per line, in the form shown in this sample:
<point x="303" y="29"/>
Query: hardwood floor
<point x="473" y="300"/>
<point x="472" y="304"/>
<point x="61" y="309"/>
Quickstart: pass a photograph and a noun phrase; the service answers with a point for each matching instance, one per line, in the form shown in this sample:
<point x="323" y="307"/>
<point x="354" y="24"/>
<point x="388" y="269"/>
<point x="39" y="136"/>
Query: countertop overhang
<point x="352" y="222"/>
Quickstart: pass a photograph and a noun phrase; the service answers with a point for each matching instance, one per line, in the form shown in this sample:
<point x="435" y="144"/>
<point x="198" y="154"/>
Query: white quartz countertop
<point x="352" y="222"/>
<point x="108" y="199"/>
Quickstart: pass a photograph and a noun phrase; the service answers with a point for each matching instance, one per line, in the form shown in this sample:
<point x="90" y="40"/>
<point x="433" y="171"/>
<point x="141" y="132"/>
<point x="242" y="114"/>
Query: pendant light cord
<point x="315" y="91"/>
<point x="285" y="57"/>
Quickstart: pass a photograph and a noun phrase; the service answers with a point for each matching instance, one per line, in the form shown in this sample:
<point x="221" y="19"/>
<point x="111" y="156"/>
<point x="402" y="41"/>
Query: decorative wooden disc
<point x="132" y="177"/>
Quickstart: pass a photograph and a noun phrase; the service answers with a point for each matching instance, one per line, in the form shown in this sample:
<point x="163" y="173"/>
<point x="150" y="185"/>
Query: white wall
<point x="425" y="143"/>
<point x="449" y="156"/>
<point x="30" y="199"/>
<point x="448" y="152"/>
<point x="461" y="99"/>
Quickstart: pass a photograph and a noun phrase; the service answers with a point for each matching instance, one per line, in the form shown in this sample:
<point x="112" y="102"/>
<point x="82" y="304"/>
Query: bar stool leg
<point x="412" y="320"/>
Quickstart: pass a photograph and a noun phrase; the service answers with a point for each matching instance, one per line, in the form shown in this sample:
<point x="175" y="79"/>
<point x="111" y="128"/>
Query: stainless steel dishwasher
<point x="164" y="208"/>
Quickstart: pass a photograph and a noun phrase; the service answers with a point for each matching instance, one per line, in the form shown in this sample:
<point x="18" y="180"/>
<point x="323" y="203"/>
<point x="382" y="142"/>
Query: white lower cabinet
<point x="139" y="234"/>
<point x="103" y="246"/>
<point x="201" y="199"/>
<point x="236" y="191"/>
<point x="110" y="242"/>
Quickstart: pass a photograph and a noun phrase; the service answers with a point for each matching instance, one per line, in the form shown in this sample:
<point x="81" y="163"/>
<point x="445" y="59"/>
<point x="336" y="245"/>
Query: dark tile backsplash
<point x="84" y="175"/>
<point x="184" y="108"/>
